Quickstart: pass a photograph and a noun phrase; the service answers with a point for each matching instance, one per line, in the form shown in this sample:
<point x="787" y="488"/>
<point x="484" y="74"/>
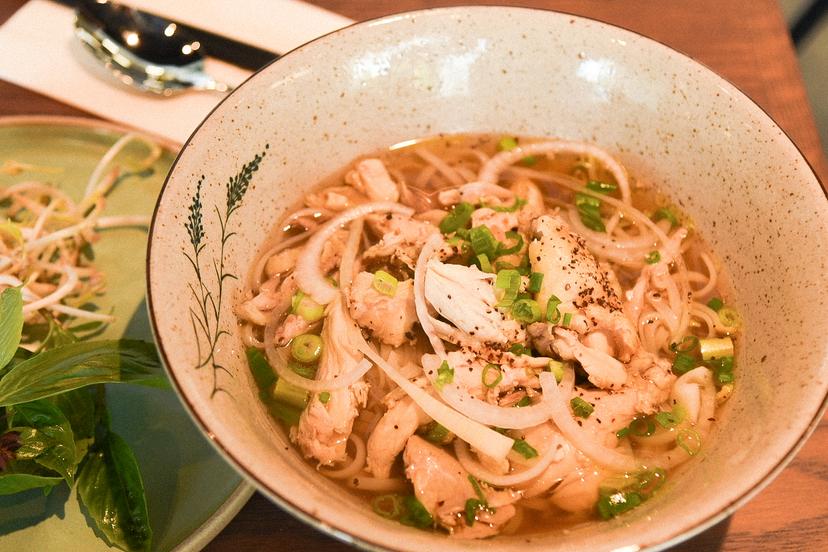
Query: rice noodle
<point x="376" y="485"/>
<point x="576" y="435"/>
<point x="552" y="454"/>
<point x="309" y="276"/>
<point x="354" y="466"/>
<point x="482" y="438"/>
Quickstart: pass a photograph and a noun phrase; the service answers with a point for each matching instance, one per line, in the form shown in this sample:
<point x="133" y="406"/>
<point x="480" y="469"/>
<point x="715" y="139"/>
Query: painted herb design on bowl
<point x="210" y="271"/>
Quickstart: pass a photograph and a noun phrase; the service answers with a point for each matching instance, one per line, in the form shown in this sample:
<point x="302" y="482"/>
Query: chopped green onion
<point x="526" y="311"/>
<point x="519" y="202"/>
<point x="492" y="375"/>
<point x="478" y="490"/>
<point x="507" y="284"/>
<point x="483" y="241"/>
<point x="613" y="504"/>
<point x="667" y="419"/>
<point x="445" y="374"/>
<point x="458" y="218"/>
<point x="388" y="506"/>
<point x="525" y="401"/>
<point x="524" y="449"/>
<point x="535" y="282"/>
<point x="589" y="210"/>
<point x="683" y="363"/>
<point x="553" y="315"/>
<point x="666" y="214"/>
<point x="520" y="349"/>
<point x="729" y="317"/>
<point x="589" y="207"/>
<point x="715" y="303"/>
<point x="306" y="307"/>
<point x="290" y="394"/>
<point x="621" y="433"/>
<point x="306" y="348"/>
<point x="716" y="347"/>
<point x="483" y="263"/>
<point x="437" y="434"/>
<point x="517" y="240"/>
<point x="385" y="283"/>
<point x="567" y="318"/>
<point x="259" y="368"/>
<point x="305" y="370"/>
<point x="642" y="426"/>
<point x="652" y="257"/>
<point x="288" y="414"/>
<point x="557" y="368"/>
<point x="324" y="397"/>
<point x="618" y="495"/>
<point x="580" y="407"/>
<point x="601" y="187"/>
<point x="687" y="344"/>
<point x="722" y="370"/>
<point x="507" y="143"/>
<point x="473" y="505"/>
<point x="415" y="514"/>
<point x="689" y="440"/>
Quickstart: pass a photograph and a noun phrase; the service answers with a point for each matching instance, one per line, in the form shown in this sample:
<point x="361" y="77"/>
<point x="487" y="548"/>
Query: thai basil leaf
<point x="57" y="336"/>
<point x="11" y="483"/>
<point x="11" y="323"/>
<point x="79" y="408"/>
<point x="111" y="488"/>
<point x="19" y="356"/>
<point x="81" y="364"/>
<point x="45" y="437"/>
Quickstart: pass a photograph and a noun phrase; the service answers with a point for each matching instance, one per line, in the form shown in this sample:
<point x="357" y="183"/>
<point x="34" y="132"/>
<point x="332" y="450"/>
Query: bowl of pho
<point x="484" y="276"/>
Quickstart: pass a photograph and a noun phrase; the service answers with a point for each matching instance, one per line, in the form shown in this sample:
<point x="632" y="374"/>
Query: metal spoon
<point x="142" y="50"/>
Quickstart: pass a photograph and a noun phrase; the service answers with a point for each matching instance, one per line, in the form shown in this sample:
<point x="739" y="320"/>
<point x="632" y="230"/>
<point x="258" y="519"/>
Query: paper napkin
<point x="38" y="50"/>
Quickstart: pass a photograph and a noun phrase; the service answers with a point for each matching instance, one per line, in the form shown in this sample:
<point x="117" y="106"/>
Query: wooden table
<point x="746" y="41"/>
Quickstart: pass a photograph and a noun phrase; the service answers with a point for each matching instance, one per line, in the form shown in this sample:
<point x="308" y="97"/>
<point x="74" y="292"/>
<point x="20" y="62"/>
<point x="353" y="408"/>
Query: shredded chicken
<point x="372" y="179"/>
<point x="324" y="428"/>
<point x="389" y="319"/>
<point x="465" y="296"/>
<point x="390" y="435"/>
<point x="443" y="487"/>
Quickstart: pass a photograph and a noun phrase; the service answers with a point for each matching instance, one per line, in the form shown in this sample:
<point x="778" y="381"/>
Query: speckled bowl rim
<point x="289" y="506"/>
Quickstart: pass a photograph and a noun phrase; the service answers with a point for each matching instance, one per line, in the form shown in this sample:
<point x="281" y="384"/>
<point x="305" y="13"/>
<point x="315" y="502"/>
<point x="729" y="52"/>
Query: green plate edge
<point x="192" y="493"/>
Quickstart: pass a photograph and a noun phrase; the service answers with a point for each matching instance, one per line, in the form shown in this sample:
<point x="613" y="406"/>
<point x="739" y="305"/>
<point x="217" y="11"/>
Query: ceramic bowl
<point x="670" y="120"/>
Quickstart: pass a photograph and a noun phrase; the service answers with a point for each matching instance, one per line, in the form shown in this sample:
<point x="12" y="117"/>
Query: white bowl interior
<point x="667" y="118"/>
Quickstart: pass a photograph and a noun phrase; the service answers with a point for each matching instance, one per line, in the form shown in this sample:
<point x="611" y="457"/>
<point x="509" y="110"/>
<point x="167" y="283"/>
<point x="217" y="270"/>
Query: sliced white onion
<point x="493" y="415"/>
<point x="498" y="163"/>
<point x="426" y="321"/>
<point x="309" y="274"/>
<point x="482" y="438"/>
<point x="473" y="466"/>
<point x="354" y="466"/>
<point x="581" y="439"/>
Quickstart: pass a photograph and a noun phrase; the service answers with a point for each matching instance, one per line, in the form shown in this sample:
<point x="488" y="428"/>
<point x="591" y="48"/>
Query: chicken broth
<point x="487" y="334"/>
